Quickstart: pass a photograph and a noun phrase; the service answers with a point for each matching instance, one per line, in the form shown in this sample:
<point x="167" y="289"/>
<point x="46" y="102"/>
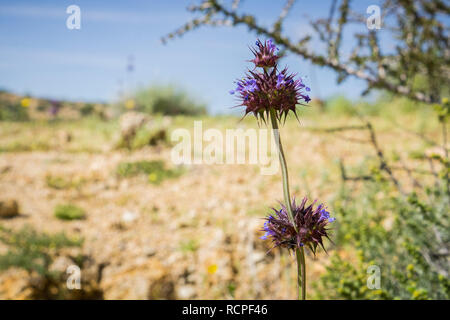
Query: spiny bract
<point x="310" y="226"/>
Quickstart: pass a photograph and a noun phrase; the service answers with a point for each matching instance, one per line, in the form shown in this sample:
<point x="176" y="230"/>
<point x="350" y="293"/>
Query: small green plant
<point x="155" y="170"/>
<point x="69" y="212"/>
<point x="57" y="182"/>
<point x="189" y="246"/>
<point x="60" y="182"/>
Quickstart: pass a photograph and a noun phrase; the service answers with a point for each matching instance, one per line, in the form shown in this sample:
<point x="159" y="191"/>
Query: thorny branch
<point x="382" y="160"/>
<point x="421" y="53"/>
<point x="383" y="163"/>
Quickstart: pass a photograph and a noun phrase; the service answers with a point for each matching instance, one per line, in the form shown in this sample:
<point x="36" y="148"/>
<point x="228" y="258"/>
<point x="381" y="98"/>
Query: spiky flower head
<point x="265" y="56"/>
<point x="311" y="226"/>
<point x="269" y="89"/>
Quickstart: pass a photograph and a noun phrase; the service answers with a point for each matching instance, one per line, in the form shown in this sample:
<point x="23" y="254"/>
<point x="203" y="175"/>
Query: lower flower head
<point x="309" y="230"/>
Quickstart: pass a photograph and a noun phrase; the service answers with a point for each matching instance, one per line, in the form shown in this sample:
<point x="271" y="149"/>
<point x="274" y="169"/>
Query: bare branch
<point x="345" y="177"/>
<point x="423" y="48"/>
<point x="277" y="26"/>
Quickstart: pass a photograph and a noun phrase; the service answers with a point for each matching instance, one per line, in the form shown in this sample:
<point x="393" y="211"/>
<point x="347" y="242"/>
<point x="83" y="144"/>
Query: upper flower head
<point x="265" y="56"/>
<point x="269" y="89"/>
<point x="311" y="225"/>
<point x="259" y="92"/>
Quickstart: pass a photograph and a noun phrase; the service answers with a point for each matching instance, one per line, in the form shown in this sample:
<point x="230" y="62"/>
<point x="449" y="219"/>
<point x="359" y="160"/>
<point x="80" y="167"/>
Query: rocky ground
<point x="192" y="236"/>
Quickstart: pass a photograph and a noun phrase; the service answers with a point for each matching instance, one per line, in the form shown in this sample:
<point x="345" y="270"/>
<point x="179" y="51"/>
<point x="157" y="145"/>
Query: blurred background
<point x="89" y="98"/>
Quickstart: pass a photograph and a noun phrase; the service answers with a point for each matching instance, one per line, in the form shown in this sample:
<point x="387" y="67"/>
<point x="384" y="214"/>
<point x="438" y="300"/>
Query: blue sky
<point x="40" y="56"/>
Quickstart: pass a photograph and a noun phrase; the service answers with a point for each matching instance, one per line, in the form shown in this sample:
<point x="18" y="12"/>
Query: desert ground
<point x="191" y="235"/>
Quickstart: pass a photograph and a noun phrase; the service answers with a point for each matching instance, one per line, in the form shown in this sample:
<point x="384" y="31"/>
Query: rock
<point x="130" y="123"/>
<point x="19" y="284"/>
<point x="186" y="292"/>
<point x="9" y="208"/>
<point x="129" y="217"/>
<point x="149" y="252"/>
<point x="166" y="121"/>
<point x="435" y="152"/>
<point x="14" y="285"/>
<point x="159" y="136"/>
<point x="5" y="169"/>
<point x="64" y="137"/>
<point x="149" y="280"/>
<point x="162" y="288"/>
<point x="61" y="264"/>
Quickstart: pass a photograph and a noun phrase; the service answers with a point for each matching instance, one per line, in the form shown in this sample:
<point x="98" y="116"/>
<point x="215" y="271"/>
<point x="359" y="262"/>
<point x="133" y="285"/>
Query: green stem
<point x="301" y="270"/>
<point x="284" y="170"/>
<point x="300" y="253"/>
<point x="444" y="146"/>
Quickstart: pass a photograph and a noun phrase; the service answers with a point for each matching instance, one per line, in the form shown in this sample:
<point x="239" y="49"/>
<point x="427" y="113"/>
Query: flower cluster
<point x="265" y="56"/>
<point x="310" y="226"/>
<point x="261" y="91"/>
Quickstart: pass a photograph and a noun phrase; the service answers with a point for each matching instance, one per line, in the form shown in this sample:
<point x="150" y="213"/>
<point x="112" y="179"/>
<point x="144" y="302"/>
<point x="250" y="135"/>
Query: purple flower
<point x="266" y="229"/>
<point x="324" y="214"/>
<point x="311" y="225"/>
<point x="55" y="107"/>
<point x="306" y="98"/>
<point x="265" y="56"/>
<point x="280" y="80"/>
<point x="261" y="91"/>
<point x="271" y="45"/>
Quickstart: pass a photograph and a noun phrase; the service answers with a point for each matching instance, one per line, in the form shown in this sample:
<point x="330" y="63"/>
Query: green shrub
<point x="406" y="237"/>
<point x="87" y="109"/>
<point x="69" y="212"/>
<point x="32" y="251"/>
<point x="384" y="105"/>
<point x="168" y="100"/>
<point x="12" y="112"/>
<point x="340" y="105"/>
<point x="347" y="280"/>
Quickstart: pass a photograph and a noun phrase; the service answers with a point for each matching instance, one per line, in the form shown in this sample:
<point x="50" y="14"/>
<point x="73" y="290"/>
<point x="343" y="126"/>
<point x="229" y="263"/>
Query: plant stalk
<point x="301" y="271"/>
<point x="300" y="253"/>
<point x="284" y="170"/>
